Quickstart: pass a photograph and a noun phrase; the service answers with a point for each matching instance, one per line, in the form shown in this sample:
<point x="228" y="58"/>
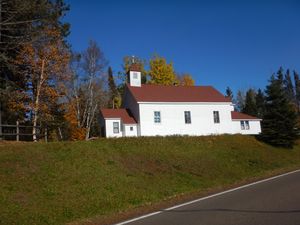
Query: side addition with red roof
<point x="123" y="114"/>
<point x="242" y="116"/>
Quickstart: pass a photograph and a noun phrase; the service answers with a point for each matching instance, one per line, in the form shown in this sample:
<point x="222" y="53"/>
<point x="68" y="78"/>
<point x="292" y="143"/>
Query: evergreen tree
<point x="297" y="89"/>
<point x="23" y="23"/>
<point x="113" y="92"/>
<point x="260" y="103"/>
<point x="289" y="88"/>
<point x="240" y="100"/>
<point x="250" y="104"/>
<point x="279" y="125"/>
<point x="280" y="76"/>
<point x="229" y="93"/>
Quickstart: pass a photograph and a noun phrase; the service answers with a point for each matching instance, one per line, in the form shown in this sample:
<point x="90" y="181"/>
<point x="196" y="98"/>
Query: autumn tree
<point x="21" y="20"/>
<point x="161" y="72"/>
<point x="44" y="63"/>
<point x="22" y="23"/>
<point x="75" y="103"/>
<point x="185" y="79"/>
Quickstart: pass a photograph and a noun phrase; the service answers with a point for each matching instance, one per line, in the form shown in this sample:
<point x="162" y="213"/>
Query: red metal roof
<point x="161" y="93"/>
<point x="123" y="114"/>
<point x="242" y="116"/>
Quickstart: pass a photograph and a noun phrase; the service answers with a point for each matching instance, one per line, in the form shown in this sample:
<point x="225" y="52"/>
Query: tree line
<point x="44" y="83"/>
<point x="278" y="106"/>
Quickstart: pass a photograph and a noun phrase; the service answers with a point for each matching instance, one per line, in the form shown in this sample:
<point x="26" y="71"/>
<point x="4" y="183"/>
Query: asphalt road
<point x="272" y="202"/>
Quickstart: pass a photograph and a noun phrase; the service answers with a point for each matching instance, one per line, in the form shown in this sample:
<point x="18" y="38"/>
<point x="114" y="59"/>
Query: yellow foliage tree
<point x="186" y="80"/>
<point x="161" y="72"/>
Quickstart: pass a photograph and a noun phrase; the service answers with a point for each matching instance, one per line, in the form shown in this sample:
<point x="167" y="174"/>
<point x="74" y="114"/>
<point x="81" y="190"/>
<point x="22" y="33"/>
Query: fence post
<point x="17" y="134"/>
<point x="46" y="134"/>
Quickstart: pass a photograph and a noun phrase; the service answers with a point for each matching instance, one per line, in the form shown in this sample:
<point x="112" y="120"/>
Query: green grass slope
<point x="58" y="183"/>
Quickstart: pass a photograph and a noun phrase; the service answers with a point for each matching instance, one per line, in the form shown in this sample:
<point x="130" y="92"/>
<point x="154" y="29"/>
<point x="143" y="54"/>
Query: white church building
<point x="151" y="110"/>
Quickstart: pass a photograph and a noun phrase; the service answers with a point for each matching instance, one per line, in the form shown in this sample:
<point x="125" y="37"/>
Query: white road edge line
<point x="204" y="198"/>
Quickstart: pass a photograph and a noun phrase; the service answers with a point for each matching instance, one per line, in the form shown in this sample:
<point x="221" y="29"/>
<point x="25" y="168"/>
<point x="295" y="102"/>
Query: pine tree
<point x="280" y="75"/>
<point x="240" y="100"/>
<point x="229" y="93"/>
<point x="113" y="92"/>
<point x="289" y="88"/>
<point x="297" y="90"/>
<point x="279" y="125"/>
<point x="250" y="104"/>
<point x="260" y="103"/>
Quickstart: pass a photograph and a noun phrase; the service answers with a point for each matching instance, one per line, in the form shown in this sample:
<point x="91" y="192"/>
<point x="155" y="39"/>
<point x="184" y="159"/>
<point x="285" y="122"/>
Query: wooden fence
<point x="19" y="132"/>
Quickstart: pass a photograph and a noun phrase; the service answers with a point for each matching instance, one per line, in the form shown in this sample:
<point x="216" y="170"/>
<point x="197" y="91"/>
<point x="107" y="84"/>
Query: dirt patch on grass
<point x="139" y="164"/>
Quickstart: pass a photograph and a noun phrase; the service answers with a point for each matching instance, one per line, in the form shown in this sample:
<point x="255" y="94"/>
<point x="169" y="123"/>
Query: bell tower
<point x="134" y="75"/>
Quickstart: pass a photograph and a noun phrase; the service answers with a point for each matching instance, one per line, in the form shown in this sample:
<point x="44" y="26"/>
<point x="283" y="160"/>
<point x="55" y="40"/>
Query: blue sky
<point x="221" y="43"/>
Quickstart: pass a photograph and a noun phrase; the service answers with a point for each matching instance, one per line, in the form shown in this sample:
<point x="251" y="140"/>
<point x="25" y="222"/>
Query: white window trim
<point x="247" y="125"/>
<point x="242" y="124"/>
<point x="116" y="127"/>
<point x="219" y="120"/>
<point x="190" y="117"/>
<point x="155" y="117"/>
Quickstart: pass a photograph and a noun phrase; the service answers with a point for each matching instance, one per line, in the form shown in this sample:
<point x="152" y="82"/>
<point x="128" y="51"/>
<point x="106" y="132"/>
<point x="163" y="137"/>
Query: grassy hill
<point x="64" y="182"/>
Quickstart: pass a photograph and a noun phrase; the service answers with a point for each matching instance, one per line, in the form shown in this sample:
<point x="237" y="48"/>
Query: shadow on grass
<point x="287" y="142"/>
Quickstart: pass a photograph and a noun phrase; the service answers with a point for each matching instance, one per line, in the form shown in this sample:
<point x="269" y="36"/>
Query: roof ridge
<point x="169" y="93"/>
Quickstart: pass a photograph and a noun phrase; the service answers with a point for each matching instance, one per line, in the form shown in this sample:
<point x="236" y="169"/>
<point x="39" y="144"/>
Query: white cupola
<point x="134" y="75"/>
